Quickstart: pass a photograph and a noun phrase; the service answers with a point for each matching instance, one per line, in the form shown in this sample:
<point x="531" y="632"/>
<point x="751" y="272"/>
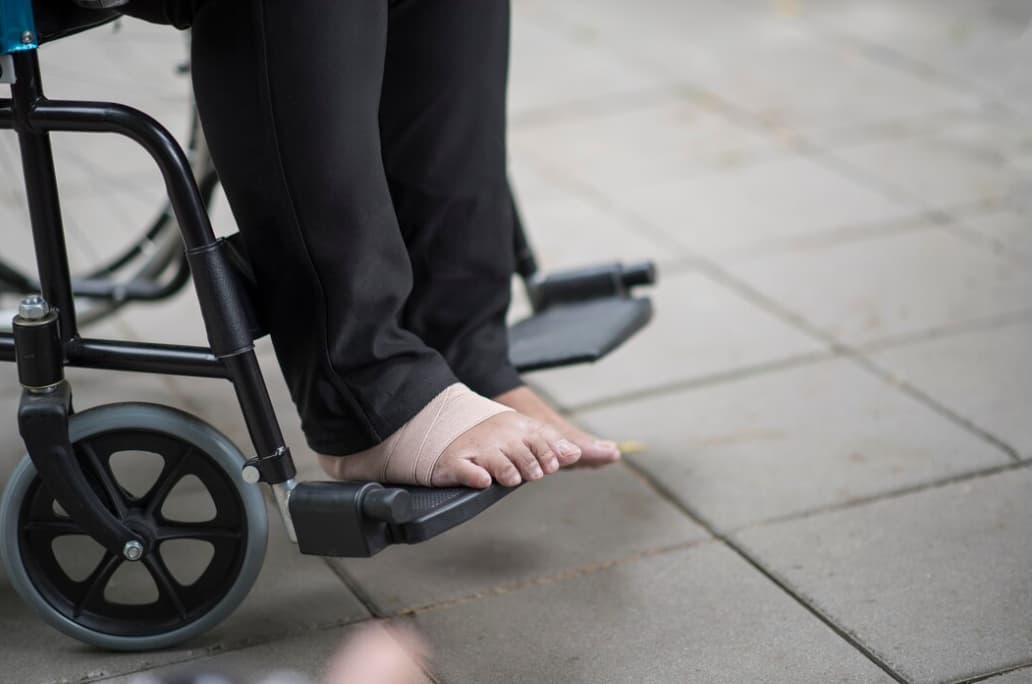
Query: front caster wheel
<point x="174" y="479"/>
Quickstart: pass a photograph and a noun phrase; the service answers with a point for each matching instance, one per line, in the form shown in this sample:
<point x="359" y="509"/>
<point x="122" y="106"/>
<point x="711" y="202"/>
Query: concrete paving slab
<point x="784" y="442"/>
<point x="981" y="45"/>
<point x="553" y="527"/>
<point x="1009" y="232"/>
<point x="667" y="618"/>
<point x="549" y="71"/>
<point x="891" y="285"/>
<point x="936" y="170"/>
<point x="570" y="232"/>
<point x="700" y="329"/>
<point x="809" y="80"/>
<point x="628" y="148"/>
<point x="935" y="583"/>
<point x="982" y="375"/>
<point x="759" y="206"/>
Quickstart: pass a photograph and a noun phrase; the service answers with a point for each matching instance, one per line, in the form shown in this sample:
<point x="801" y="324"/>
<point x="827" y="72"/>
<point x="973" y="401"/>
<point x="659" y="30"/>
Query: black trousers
<point x="361" y="145"/>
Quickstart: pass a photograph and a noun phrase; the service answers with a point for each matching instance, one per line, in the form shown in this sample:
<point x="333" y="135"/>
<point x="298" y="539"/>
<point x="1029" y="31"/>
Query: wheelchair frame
<point x="578" y="316"/>
<point x="231" y="355"/>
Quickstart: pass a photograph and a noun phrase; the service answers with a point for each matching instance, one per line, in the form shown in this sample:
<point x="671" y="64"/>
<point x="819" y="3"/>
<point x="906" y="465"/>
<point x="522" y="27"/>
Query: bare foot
<point x="594" y="451"/>
<point x="507" y="446"/>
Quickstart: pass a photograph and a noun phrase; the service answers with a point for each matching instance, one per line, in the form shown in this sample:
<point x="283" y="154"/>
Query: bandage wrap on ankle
<point x="411" y="454"/>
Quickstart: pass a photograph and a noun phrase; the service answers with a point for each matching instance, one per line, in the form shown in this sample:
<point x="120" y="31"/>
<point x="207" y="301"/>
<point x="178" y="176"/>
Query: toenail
<point x="566" y="448"/>
<point x="606" y="445"/>
<point x="535" y="470"/>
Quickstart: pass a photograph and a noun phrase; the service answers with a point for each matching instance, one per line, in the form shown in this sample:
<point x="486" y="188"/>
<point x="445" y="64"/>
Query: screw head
<point x="27" y="37"/>
<point x="250" y="474"/>
<point x="33" y="307"/>
<point x="133" y="550"/>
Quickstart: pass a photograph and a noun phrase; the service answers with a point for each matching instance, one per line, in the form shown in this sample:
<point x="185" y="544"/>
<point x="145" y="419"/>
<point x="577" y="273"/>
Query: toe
<point x="501" y="468"/>
<point x="599" y="452"/>
<point x="566" y="451"/>
<point x="462" y="473"/>
<point x="525" y="460"/>
<point x="543" y="452"/>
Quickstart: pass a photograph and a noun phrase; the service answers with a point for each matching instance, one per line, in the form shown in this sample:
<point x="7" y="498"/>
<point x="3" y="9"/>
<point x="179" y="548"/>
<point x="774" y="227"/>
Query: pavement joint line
<point x="661" y="490"/>
<point x="963" y="231"/>
<point x="1005" y="320"/>
<point x="545" y="580"/>
<point x="924" y="219"/>
<point x="895" y="129"/>
<point x="888" y="495"/>
<point x="930" y="402"/>
<point x="702" y="381"/>
<point x="995" y="673"/>
<point x="596" y="107"/>
<point x="890" y="57"/>
<point x="356" y="588"/>
<point x="825" y="239"/>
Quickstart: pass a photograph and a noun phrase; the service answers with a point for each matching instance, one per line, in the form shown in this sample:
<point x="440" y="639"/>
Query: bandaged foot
<point x="460" y="439"/>
<point x="595" y="452"/>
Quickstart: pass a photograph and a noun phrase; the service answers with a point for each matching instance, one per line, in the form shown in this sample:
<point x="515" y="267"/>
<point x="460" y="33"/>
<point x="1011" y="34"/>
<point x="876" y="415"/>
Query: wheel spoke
<point x="98" y="579"/>
<point x="54" y="528"/>
<point x="167" y="479"/>
<point x="102" y="471"/>
<point x="167" y="585"/>
<point x="198" y="531"/>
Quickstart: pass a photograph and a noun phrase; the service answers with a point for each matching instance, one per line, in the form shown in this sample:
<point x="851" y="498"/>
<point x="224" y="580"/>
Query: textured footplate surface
<point x="577" y="332"/>
<point x="437" y="510"/>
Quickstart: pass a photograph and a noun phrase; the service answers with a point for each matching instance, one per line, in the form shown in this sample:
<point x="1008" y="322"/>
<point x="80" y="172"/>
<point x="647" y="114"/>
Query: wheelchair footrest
<point x="359" y="519"/>
<point x="576" y="332"/>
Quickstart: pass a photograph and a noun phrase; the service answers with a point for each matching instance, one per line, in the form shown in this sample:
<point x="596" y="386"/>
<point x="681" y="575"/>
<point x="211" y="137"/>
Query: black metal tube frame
<point x="33" y="116"/>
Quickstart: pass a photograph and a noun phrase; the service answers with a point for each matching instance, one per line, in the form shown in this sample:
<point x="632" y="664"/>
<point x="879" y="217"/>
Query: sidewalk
<point x="835" y="393"/>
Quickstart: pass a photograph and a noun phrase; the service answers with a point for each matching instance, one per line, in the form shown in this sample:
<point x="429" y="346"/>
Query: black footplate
<point x="580" y="316"/>
<point x="359" y="519"/>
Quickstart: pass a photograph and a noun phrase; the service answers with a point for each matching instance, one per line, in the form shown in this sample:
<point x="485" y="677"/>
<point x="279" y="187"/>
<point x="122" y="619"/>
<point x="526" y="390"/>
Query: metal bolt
<point x="133" y="550"/>
<point x="33" y="308"/>
<point x="27" y="37"/>
<point x="250" y="474"/>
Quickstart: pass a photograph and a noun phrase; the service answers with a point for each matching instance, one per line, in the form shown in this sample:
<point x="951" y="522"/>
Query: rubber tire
<point x="165" y="420"/>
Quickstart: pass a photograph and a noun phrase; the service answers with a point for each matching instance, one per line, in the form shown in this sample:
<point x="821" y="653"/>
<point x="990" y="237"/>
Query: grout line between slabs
<point x="594" y="107"/>
<point x="708" y="380"/>
<point x="1006" y="320"/>
<point x="995" y="673"/>
<point x="914" y="66"/>
<point x="544" y="580"/>
<point x="744" y="554"/>
<point x="885" y="496"/>
<point x="356" y="588"/>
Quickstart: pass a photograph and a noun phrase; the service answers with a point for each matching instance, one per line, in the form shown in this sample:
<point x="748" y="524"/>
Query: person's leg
<point x="443" y="129"/>
<point x="442" y="122"/>
<point x="288" y="92"/>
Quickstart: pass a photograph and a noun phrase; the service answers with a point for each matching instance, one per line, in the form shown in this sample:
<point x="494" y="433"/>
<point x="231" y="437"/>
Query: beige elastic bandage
<point x="410" y="455"/>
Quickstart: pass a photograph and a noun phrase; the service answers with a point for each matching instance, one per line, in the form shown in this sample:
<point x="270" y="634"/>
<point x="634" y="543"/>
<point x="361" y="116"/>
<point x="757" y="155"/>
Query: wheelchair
<point x="66" y="486"/>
